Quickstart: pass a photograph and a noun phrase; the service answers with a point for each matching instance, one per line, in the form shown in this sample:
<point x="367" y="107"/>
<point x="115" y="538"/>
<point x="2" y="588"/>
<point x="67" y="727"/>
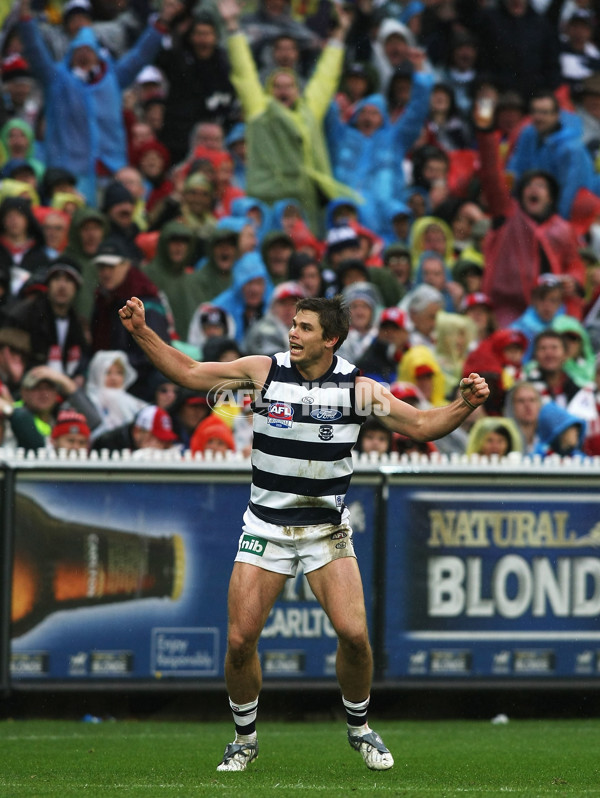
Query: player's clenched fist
<point x="132" y="314"/>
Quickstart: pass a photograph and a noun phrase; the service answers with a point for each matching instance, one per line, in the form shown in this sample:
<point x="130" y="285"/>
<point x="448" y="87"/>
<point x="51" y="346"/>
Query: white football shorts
<point x="282" y="548"/>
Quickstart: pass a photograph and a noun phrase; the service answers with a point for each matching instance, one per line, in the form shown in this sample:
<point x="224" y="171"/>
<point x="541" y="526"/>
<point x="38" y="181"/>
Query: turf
<point x="434" y="759"/>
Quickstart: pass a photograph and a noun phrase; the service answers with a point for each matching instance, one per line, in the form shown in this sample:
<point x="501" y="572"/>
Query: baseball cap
<point x="424" y="370"/>
<point x="114" y="194"/>
<point x="510" y="337"/>
<point x="404" y="390"/>
<point x="186" y="397"/>
<point x="582" y="15"/>
<point x="477" y="298"/>
<point x="16" y="339"/>
<point x="65" y="265"/>
<point x="31" y="379"/>
<point x="70" y="422"/>
<point x="76" y="7"/>
<point x="197" y="400"/>
<point x="213" y="315"/>
<point x="110" y="252"/>
<point x="550" y="280"/>
<point x="157" y="421"/>
<point x="393" y="316"/>
<point x="15" y="67"/>
<point x="287" y="290"/>
<point x="149" y="74"/>
<point x="358" y="69"/>
<point x="341" y="237"/>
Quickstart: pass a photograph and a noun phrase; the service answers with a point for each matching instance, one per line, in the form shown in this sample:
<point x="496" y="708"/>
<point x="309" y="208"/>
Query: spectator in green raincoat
<point x="287" y="152"/>
<point x="172" y="271"/>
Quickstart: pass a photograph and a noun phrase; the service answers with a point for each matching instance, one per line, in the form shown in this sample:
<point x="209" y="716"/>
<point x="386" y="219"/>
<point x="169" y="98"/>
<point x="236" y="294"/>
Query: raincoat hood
<point x="389" y="27"/>
<point x="484" y="426"/>
<point x="24" y="127"/>
<point x="332" y="207"/>
<point x="423" y="356"/>
<point x="376" y="100"/>
<point x="553" y="421"/>
<point x="85" y="37"/>
<point x="241" y="206"/>
<point x="417" y="233"/>
<point x="102" y="361"/>
<point x="583" y="369"/>
<point x="169" y="231"/>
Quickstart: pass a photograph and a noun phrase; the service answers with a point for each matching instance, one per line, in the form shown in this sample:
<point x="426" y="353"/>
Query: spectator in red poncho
<point x="499" y="357"/>
<point x="153" y="160"/>
<point x="527" y="238"/>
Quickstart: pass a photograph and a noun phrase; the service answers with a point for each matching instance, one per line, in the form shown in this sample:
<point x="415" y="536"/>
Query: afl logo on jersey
<point x="325" y="414"/>
<point x="325" y="432"/>
<point x="280" y="415"/>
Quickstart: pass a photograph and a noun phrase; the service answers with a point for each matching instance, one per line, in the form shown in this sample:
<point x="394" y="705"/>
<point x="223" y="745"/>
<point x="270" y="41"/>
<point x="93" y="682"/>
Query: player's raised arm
<point x="184" y="370"/>
<point x="421" y="425"/>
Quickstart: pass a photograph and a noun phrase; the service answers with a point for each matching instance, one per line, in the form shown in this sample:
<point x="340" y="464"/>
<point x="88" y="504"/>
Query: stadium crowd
<point x="437" y="163"/>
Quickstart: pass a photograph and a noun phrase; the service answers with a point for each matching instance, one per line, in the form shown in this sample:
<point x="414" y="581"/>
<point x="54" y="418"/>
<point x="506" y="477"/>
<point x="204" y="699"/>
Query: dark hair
<point x="334" y="316"/>
<point x="545" y="94"/>
<point x="532" y="174"/>
<point x="204" y="18"/>
<point x="501" y="430"/>
<point x="285" y="35"/>
<point x="548" y="334"/>
<point x="449" y="92"/>
<point x="214" y="348"/>
<point x="374" y="424"/>
<point x="421" y="156"/>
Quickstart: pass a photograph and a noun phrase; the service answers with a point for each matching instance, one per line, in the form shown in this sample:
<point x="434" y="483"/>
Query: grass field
<point x="433" y="758"/>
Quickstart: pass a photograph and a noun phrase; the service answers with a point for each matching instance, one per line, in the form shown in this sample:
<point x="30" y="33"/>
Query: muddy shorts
<point x="282" y="548"/>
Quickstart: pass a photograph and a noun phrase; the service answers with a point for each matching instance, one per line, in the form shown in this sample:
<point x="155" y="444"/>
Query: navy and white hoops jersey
<point x="304" y="433"/>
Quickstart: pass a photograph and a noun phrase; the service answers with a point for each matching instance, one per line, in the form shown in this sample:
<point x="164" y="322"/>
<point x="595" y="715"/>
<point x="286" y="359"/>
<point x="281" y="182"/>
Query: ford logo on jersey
<point x="280" y="415"/>
<point x="325" y="414"/>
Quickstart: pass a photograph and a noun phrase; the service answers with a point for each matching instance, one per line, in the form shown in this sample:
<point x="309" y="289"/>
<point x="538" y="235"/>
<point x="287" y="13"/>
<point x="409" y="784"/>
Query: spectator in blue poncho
<point x="248" y="298"/>
<point x="560" y="432"/>
<point x="84" y="117"/>
<point x="254" y="210"/>
<point x="545" y="308"/>
<point x="367" y="151"/>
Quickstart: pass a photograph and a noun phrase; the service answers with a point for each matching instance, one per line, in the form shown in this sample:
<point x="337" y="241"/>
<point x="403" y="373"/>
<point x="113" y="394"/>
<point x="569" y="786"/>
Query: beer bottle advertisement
<point x="125" y="577"/>
<point x="121" y="580"/>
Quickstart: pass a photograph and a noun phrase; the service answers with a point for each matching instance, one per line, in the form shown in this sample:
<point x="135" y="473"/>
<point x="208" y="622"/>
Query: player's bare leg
<point x="338" y="587"/>
<point x="252" y="593"/>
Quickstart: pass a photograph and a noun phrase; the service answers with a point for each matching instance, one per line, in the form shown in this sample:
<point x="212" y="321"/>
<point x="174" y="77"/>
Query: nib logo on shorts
<point x="254" y="545"/>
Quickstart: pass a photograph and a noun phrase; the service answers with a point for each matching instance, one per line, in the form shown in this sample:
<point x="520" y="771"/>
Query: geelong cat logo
<point x="326" y="432"/>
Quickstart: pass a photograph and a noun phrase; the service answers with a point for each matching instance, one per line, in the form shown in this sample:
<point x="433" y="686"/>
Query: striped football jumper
<point x="304" y="433"/>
